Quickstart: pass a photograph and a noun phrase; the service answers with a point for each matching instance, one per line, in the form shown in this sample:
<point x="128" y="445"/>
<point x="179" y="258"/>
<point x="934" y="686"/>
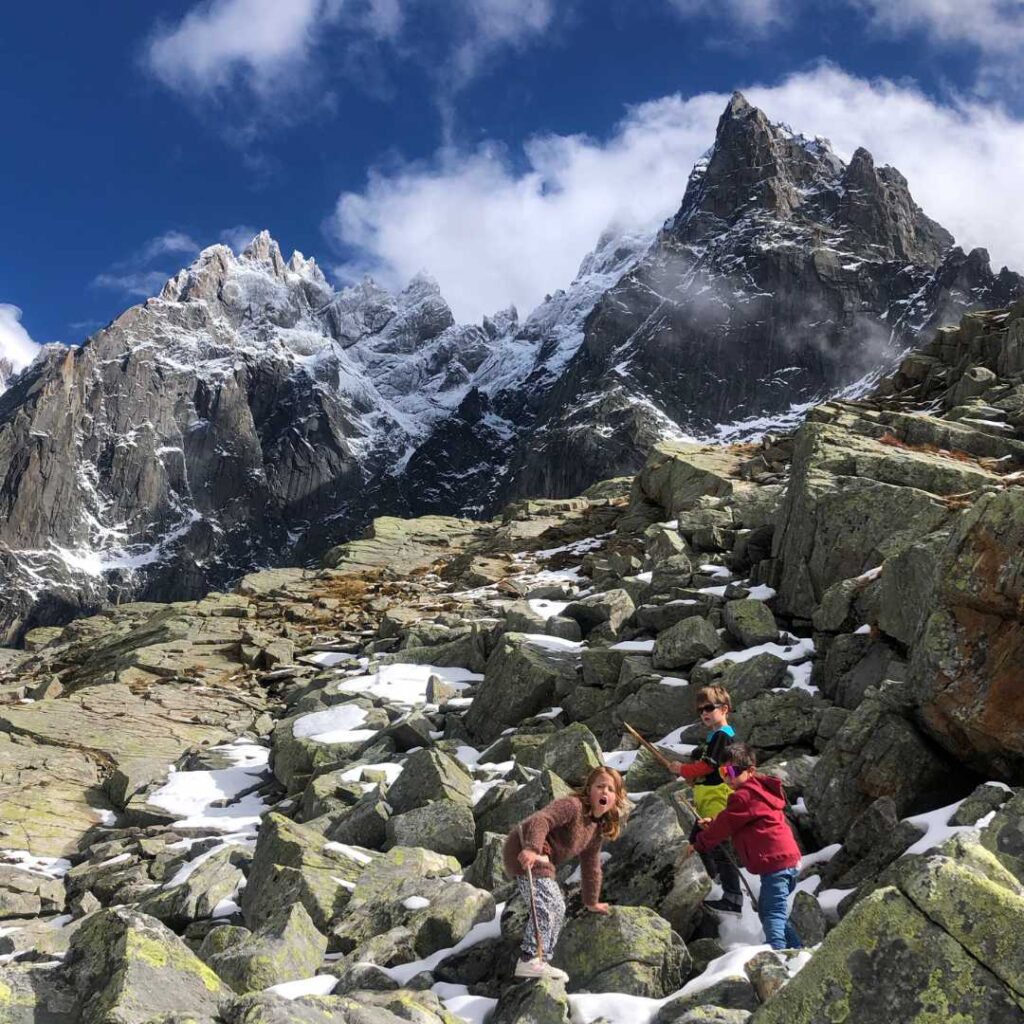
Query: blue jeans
<point x="771" y="908"/>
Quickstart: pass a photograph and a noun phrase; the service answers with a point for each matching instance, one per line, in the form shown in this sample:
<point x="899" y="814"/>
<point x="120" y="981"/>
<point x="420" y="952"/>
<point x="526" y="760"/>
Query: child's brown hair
<point x="712" y="695"/>
<point x="614" y="818"/>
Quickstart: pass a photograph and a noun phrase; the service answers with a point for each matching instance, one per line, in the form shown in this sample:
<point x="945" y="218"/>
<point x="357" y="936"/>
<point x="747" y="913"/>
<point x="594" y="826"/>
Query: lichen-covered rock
<point x="734" y="992"/>
<point x="413" y="890"/>
<point x="657" y="707"/>
<point x="126" y="967"/>
<point x="521" y="678"/>
<point x="501" y="808"/>
<point x="630" y="950"/>
<point x="808" y="918"/>
<point x="571" y="753"/>
<point x="773" y="721"/>
<point x="294" y="862"/>
<point x="533" y="1002"/>
<point x="745" y="680"/>
<point x="443" y="826"/>
<point x="359" y="1007"/>
<point x="877" y="752"/>
<point x="286" y="948"/>
<point x="298" y="752"/>
<point x="686" y="643"/>
<point x="880" y="964"/>
<point x="749" y="622"/>
<point x="216" y="879"/>
<point x="986" y="918"/>
<point x="1004" y="835"/>
<point x="852" y="502"/>
<point x="23" y="894"/>
<point x="645" y="867"/>
<point x="36" y="994"/>
<point x="614" y="607"/>
<point x="430" y="775"/>
<point x="705" y="1014"/>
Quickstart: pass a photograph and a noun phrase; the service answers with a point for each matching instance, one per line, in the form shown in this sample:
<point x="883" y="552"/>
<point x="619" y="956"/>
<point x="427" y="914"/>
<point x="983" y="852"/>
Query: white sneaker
<point x="539" y="969"/>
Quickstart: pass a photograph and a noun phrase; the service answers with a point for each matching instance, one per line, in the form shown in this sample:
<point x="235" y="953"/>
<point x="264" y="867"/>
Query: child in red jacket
<point x="754" y="818"/>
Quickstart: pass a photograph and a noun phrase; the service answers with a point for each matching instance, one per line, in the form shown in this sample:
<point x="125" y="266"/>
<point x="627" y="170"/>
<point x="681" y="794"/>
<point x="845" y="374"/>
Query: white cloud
<point x="489" y="25"/>
<point x="16" y="345"/>
<point x="219" y="40"/>
<point x="169" y="242"/>
<point x="993" y="26"/>
<point x="493" y="234"/>
<point x="137" y="283"/>
<point x="756" y="17"/>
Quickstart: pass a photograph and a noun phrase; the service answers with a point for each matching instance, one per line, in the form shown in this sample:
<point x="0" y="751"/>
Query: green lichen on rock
<point x="885" y="962"/>
<point x="630" y="950"/>
<point x="286" y="948"/>
<point x="127" y="967"/>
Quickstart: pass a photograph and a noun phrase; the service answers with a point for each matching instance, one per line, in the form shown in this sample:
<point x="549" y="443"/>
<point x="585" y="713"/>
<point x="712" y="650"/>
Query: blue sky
<point x="487" y="141"/>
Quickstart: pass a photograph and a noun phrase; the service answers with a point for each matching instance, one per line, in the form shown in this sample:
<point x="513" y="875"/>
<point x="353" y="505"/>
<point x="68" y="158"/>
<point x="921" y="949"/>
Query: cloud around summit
<point x="496" y="228"/>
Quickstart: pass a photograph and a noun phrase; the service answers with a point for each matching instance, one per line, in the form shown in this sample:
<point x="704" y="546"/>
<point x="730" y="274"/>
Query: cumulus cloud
<point x="220" y="41"/>
<point x="493" y="231"/>
<point x="16" y="345"/>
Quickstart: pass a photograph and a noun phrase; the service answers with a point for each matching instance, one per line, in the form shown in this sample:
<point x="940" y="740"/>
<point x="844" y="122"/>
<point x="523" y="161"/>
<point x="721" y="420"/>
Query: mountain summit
<point x="251" y="415"/>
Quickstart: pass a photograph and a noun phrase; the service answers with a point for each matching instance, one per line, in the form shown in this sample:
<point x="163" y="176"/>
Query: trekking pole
<point x="533" y="900"/>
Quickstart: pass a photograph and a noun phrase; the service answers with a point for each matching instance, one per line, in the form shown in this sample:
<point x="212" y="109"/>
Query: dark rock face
<point x="253" y="416"/>
<point x="785" y="276"/>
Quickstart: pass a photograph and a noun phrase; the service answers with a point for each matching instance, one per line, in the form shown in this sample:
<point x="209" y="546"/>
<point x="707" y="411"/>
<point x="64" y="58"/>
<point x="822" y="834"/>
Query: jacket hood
<point x="766" y="788"/>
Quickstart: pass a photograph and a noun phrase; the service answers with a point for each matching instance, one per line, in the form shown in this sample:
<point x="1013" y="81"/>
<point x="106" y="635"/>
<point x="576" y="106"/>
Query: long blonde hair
<point x="614" y="819"/>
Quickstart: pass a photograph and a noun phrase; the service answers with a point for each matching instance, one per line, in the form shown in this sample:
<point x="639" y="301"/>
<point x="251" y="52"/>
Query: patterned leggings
<point x="550" y="915"/>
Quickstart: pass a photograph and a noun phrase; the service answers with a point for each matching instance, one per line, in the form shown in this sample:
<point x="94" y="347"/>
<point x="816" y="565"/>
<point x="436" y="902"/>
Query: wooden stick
<point x="533" y="900"/>
<point x="651" y="748"/>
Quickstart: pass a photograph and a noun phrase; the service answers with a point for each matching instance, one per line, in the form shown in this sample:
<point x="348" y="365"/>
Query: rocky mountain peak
<point x="754" y="165"/>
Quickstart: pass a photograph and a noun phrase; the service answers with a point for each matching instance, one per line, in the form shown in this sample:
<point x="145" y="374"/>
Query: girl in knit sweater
<point x="574" y="826"/>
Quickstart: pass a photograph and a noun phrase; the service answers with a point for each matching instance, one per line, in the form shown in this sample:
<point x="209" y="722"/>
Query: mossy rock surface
<point x="630" y="950"/>
<point x="885" y="962"/>
<point x="286" y="948"/>
<point x="533" y="1002"/>
<point x="127" y="967"/>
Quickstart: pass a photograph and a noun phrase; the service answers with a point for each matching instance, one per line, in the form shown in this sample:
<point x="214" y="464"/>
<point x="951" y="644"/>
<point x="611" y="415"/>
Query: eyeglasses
<point x="706" y="709"/>
<point x="732" y="772"/>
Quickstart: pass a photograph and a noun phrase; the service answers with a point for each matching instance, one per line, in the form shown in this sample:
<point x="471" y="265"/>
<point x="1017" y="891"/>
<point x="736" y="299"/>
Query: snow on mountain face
<point x="786" y="276"/>
<point x="251" y="415"/>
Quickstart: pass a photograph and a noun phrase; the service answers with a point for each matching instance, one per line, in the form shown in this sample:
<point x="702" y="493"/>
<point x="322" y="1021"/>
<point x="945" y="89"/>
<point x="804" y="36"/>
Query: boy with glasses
<point x="710" y="792"/>
<point x="755" y="820"/>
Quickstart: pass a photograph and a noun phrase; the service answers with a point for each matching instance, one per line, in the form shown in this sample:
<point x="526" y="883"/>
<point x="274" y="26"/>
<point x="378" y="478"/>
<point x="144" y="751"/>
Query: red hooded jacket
<point x="754" y="820"/>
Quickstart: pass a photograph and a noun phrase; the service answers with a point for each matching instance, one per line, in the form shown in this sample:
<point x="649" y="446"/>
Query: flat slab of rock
<point x="134" y="738"/>
<point x="49" y="796"/>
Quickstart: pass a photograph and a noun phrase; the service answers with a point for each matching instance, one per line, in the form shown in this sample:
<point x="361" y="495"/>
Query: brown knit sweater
<point x="560" y="831"/>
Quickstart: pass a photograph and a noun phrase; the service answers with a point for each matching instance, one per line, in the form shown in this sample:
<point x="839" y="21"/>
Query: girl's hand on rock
<point x="703" y="822"/>
<point x="599" y="908"/>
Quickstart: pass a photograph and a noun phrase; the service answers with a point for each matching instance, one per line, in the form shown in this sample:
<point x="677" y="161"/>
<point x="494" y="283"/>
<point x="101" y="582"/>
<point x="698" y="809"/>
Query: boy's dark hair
<point x="741" y="755"/>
